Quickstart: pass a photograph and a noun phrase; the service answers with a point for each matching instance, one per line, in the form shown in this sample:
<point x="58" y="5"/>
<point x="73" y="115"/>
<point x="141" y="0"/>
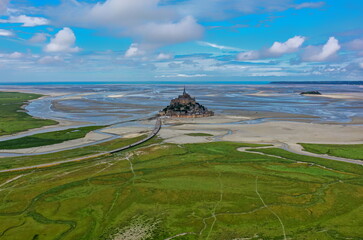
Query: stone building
<point x="185" y="106"/>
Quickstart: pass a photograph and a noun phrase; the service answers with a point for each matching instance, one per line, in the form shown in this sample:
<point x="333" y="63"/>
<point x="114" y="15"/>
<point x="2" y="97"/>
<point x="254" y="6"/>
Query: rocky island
<point x="310" y="93"/>
<point x="185" y="106"/>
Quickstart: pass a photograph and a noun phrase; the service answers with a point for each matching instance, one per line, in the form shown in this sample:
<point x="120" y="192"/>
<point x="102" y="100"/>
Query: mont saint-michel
<point x="185" y="106"/>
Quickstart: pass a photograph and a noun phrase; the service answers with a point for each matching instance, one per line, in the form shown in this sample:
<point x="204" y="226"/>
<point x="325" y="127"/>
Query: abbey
<point x="185" y="106"/>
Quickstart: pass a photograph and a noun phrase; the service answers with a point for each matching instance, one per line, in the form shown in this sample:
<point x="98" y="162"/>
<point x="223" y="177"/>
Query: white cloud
<point x="164" y="56"/>
<point x="186" y="29"/>
<point x="182" y="75"/>
<point x="3" y="6"/>
<point x="134" y="51"/>
<point x="276" y="50"/>
<point x="220" y="9"/>
<point x="191" y="75"/>
<point x="149" y="23"/>
<point x="63" y="41"/>
<point x="291" y="45"/>
<point x="309" y="5"/>
<point x="50" y="60"/>
<point x="249" y="55"/>
<point x="126" y="13"/>
<point x="26" y="20"/>
<point x="356" y="45"/>
<point x="322" y="53"/>
<point x="6" y="33"/>
<point x="270" y="74"/>
<point x="220" y="47"/>
<point x="38" y="38"/>
<point x="16" y="55"/>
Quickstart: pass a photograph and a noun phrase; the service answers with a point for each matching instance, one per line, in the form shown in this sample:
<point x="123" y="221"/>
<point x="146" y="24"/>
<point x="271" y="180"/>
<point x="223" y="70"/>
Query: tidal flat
<point x="113" y="103"/>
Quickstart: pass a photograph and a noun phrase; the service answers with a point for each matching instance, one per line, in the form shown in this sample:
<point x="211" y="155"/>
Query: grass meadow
<point x="190" y="191"/>
<point x="48" y="138"/>
<point x="346" y="151"/>
<point x="22" y="161"/>
<point x="13" y="118"/>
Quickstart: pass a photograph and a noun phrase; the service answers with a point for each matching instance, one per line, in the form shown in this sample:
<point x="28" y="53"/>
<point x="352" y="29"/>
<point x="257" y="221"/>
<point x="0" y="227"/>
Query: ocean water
<point x="127" y="103"/>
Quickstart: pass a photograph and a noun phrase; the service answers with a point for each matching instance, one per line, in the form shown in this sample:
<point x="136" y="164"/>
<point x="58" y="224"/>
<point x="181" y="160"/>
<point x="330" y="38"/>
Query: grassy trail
<point x="354" y="151"/>
<point x="264" y="204"/>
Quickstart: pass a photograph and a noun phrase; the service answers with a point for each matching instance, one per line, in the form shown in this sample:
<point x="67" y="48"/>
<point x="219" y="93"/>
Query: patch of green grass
<point x="340" y="166"/>
<point x="49" y="138"/>
<point x="199" y="134"/>
<point x="13" y="118"/>
<point x="14" y="162"/>
<point x="205" y="191"/>
<point x="352" y="151"/>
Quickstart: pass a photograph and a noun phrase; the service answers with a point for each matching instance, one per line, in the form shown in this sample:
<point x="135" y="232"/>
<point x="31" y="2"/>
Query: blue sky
<point x="186" y="40"/>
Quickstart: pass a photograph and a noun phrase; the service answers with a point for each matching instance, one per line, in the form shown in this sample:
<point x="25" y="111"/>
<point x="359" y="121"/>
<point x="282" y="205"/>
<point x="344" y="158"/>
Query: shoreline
<point x="61" y="124"/>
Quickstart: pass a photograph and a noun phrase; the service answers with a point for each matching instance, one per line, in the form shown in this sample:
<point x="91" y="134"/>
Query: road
<point x="298" y="150"/>
<point x="152" y="134"/>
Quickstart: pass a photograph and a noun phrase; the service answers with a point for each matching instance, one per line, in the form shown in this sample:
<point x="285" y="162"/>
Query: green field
<point x="13" y="119"/>
<point x="23" y="161"/>
<point x="345" y="151"/>
<point x="43" y="139"/>
<point x="199" y="134"/>
<point x="193" y="191"/>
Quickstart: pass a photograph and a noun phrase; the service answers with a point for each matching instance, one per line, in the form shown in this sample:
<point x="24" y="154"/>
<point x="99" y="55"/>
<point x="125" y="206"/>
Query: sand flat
<point x="288" y="132"/>
<point x="339" y="95"/>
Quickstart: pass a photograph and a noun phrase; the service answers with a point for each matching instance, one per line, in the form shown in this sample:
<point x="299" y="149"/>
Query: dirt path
<point x="216" y="206"/>
<point x="277" y="216"/>
<point x="11" y="180"/>
<point x="180" y="234"/>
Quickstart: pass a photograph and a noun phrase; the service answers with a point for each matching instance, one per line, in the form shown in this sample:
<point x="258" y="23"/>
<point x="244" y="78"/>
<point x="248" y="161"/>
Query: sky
<point x="180" y="40"/>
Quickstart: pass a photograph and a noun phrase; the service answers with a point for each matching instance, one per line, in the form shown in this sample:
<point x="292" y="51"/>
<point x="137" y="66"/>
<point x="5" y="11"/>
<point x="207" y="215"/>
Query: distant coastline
<point x="320" y="82"/>
<point x="182" y="83"/>
<point x="139" y="83"/>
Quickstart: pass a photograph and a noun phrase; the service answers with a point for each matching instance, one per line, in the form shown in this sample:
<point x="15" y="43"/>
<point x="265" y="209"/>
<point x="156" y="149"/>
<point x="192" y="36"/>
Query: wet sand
<point x="272" y="132"/>
<point x="340" y="96"/>
<point x="345" y="95"/>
